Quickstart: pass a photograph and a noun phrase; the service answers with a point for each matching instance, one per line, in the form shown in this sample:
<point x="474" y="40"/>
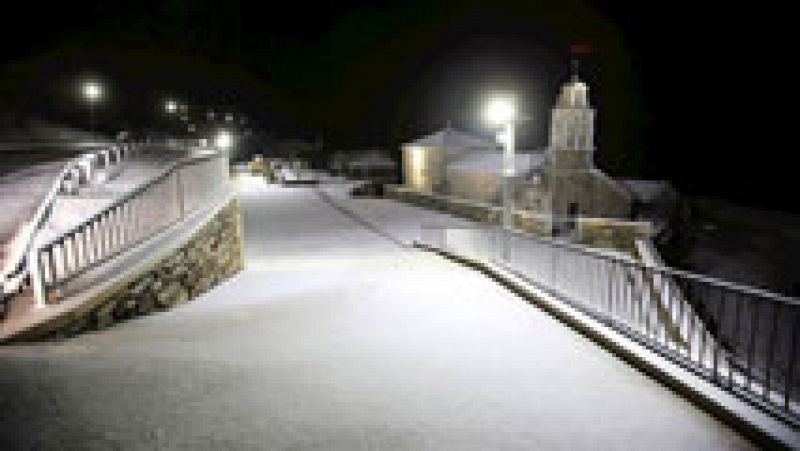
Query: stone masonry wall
<point x="594" y="232"/>
<point x="211" y="255"/>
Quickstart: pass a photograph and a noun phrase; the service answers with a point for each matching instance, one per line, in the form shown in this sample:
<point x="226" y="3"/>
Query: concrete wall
<point x="212" y="254"/>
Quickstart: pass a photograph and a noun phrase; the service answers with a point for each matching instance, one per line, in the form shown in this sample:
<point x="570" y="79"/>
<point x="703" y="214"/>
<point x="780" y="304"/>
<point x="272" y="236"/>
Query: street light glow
<point x="501" y="110"/>
<point x="171" y="106"/>
<point x="224" y="140"/>
<point x="92" y="91"/>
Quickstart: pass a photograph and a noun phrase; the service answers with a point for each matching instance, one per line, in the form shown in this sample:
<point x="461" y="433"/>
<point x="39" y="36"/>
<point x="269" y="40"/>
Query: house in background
<point x="371" y="164"/>
<point x="425" y="160"/>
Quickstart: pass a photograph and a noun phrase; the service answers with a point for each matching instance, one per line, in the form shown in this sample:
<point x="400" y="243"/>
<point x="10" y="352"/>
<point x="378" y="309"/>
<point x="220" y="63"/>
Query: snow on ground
<point x="397" y="219"/>
<point x="335" y="337"/>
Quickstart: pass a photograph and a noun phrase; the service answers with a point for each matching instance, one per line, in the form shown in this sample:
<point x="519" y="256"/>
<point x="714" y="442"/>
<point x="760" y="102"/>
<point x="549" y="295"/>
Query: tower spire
<point x="575" y="67"/>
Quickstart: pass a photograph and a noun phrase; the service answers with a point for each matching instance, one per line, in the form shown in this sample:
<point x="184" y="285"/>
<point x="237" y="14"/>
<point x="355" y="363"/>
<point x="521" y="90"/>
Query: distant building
<point x="425" y="160"/>
<point x="560" y="181"/>
<point x="372" y="164"/>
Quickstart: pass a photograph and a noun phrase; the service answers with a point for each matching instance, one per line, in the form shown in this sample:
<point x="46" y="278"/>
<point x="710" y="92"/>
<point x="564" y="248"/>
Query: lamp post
<point x="502" y="111"/>
<point x="172" y="108"/>
<point x="92" y="92"/>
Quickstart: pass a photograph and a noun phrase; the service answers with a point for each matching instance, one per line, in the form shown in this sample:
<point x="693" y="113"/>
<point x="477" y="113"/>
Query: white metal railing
<point x="185" y="187"/>
<point x="743" y="339"/>
<point x="78" y="171"/>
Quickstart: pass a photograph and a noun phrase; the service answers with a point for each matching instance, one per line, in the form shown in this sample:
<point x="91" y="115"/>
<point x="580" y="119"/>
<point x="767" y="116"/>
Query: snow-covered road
<point x="335" y="337"/>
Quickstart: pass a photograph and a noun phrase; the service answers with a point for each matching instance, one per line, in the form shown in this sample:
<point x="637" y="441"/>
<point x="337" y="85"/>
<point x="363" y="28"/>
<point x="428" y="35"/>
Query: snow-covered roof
<point x="648" y="190"/>
<point x="492" y="162"/>
<point x="453" y="139"/>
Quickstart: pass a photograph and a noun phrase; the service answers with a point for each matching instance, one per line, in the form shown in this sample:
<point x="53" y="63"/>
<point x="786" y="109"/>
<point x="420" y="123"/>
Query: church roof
<point x="452" y="138"/>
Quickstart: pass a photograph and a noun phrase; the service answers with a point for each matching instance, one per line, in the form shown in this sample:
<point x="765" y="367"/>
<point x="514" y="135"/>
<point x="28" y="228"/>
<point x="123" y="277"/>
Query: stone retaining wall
<point x="595" y="232"/>
<point x="212" y="254"/>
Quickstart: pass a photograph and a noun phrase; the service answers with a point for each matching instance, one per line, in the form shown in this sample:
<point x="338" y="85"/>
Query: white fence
<point x="743" y="339"/>
<point x="79" y="171"/>
<point x="185" y="187"/>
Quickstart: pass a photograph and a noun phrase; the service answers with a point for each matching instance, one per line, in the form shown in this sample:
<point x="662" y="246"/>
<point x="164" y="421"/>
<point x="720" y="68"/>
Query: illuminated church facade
<point x="560" y="181"/>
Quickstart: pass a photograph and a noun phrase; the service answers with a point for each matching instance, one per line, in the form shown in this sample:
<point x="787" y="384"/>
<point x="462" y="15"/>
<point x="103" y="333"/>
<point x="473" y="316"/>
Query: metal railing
<point x="138" y="215"/>
<point x="76" y="172"/>
<point x="742" y="339"/>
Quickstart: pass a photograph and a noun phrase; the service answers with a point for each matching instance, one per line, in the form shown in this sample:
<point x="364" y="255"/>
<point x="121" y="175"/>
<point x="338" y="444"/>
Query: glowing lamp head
<point x="92" y="91"/>
<point x="171" y="106"/>
<point x="501" y="110"/>
<point x="224" y="140"/>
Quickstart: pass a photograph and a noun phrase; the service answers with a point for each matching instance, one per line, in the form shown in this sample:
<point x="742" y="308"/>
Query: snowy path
<point x="336" y="338"/>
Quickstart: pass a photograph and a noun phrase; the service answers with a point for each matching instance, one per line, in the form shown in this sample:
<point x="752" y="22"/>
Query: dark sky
<point x="684" y="92"/>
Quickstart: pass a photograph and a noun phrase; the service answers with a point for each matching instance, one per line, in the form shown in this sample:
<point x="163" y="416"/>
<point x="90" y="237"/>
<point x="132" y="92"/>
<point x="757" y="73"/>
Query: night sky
<point x="684" y="92"/>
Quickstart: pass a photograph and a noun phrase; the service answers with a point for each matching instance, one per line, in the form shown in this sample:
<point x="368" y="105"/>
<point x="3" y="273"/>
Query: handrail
<point x="745" y="340"/>
<point x="132" y="194"/>
<point x="165" y="199"/>
<point x="15" y="269"/>
<point x="720" y="283"/>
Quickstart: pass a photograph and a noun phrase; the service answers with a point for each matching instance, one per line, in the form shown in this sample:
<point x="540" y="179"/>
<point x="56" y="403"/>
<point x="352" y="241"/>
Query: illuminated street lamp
<point x="502" y="111"/>
<point x="92" y="92"/>
<point x="171" y="106"/>
<point x="224" y="140"/>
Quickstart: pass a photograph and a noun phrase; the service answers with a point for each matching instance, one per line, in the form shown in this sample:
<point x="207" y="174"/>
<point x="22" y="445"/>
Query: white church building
<point x="560" y="181"/>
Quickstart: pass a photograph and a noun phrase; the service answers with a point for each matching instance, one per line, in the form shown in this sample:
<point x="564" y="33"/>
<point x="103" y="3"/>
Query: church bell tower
<point x="572" y="127"/>
<point x="569" y="167"/>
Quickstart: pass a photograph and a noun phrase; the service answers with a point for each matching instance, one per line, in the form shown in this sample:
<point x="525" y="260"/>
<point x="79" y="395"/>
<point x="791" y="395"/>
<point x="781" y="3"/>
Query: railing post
<point x="37" y="277"/>
<point x="179" y="194"/>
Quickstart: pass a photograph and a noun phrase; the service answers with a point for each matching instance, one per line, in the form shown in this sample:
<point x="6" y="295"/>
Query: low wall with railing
<point x="109" y="243"/>
<point x="180" y="190"/>
<point x="744" y="340"/>
<point x="80" y="171"/>
<point x="209" y="255"/>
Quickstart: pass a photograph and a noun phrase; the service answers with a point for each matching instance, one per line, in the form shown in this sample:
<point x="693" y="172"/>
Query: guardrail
<point x="742" y="339"/>
<point x="78" y="171"/>
<point x="181" y="189"/>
